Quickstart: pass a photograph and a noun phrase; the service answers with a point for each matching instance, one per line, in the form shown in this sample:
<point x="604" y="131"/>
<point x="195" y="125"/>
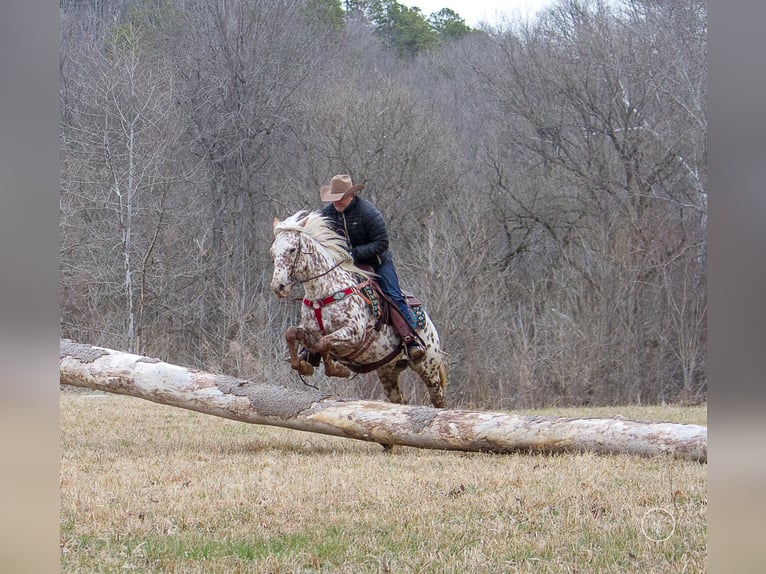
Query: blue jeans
<point x="389" y="284"/>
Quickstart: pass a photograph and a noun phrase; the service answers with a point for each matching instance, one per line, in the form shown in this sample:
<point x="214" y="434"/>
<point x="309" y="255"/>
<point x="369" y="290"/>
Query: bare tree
<point x="590" y="173"/>
<point x="242" y="65"/>
<point x="119" y="142"/>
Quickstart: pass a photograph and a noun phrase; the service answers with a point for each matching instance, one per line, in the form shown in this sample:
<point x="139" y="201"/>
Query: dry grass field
<point x="153" y="488"/>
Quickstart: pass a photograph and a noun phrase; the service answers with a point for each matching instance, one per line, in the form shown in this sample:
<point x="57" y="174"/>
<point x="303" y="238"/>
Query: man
<point x="362" y="224"/>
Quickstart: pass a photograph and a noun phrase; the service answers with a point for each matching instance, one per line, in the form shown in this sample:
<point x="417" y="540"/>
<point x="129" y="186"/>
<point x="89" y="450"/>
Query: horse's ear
<point x="276" y="222"/>
<point x="303" y="221"/>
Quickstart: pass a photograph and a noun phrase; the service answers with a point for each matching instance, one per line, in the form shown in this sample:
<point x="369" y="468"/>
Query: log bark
<point x="385" y="423"/>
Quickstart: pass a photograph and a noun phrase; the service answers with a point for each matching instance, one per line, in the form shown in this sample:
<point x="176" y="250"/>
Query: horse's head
<point x="305" y="249"/>
<point x="286" y="254"/>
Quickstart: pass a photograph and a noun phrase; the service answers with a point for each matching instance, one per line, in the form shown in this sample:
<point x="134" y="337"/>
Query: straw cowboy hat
<point x="340" y="186"/>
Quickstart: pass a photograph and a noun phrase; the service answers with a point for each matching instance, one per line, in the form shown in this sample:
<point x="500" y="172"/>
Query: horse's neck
<point x="327" y="282"/>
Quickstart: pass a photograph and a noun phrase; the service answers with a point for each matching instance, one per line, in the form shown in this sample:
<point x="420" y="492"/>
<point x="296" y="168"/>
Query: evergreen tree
<point x="402" y="28"/>
<point x="448" y="24"/>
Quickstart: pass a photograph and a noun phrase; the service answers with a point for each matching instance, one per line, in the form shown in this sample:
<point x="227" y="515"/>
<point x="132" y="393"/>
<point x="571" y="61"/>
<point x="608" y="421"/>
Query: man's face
<point x="343" y="202"/>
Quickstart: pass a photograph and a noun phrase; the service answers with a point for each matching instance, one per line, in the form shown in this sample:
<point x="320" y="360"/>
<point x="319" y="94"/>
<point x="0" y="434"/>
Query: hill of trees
<point x="544" y="183"/>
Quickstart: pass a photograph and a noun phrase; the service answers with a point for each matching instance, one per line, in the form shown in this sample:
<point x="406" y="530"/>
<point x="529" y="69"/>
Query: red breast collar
<point x="317" y="304"/>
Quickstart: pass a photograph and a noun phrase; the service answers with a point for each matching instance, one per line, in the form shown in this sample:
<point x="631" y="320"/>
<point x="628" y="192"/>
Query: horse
<point x="338" y="320"/>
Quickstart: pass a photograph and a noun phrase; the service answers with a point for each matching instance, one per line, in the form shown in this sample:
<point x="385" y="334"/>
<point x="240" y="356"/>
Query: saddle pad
<point x="418" y="315"/>
<point x="373" y="300"/>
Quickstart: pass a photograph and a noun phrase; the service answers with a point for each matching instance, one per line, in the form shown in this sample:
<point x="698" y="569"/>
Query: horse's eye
<point x="291" y="250"/>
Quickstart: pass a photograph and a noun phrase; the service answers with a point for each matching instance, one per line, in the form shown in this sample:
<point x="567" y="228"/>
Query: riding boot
<point x="415" y="352"/>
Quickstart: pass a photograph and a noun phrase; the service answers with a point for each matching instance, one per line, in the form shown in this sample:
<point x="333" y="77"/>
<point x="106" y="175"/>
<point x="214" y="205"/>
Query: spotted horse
<point x="338" y="320"/>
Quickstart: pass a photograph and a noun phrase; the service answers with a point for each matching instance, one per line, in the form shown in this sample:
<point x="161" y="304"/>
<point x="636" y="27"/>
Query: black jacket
<point x="362" y="225"/>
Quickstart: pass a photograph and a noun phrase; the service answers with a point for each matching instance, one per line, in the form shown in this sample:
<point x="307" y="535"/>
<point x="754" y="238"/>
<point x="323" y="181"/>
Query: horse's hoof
<point x="337" y="371"/>
<point x="305" y="369"/>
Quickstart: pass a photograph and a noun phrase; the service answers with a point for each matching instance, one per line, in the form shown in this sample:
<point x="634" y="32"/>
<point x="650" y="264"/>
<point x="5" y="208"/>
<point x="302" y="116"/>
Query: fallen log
<point x="385" y="423"/>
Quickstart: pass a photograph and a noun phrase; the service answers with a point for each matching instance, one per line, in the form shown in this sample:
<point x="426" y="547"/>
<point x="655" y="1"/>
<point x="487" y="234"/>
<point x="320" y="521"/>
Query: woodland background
<point x="544" y="183"/>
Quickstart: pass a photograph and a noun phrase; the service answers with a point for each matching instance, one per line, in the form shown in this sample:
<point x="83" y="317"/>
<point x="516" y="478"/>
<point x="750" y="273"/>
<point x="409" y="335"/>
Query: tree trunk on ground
<point x="384" y="423"/>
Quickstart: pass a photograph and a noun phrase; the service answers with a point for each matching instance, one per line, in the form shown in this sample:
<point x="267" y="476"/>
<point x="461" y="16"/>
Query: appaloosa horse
<point x="338" y="318"/>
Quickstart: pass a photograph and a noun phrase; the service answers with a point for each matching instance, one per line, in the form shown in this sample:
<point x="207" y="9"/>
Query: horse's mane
<point x="317" y="228"/>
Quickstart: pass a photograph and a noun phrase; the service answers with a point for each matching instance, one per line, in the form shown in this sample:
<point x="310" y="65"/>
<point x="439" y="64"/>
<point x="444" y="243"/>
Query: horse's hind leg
<point x="431" y="369"/>
<point x="436" y="387"/>
<point x="434" y="374"/>
<point x="389" y="380"/>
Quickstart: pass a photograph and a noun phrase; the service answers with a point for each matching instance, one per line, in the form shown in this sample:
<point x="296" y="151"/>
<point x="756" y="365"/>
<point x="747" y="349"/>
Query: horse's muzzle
<point x="281" y="290"/>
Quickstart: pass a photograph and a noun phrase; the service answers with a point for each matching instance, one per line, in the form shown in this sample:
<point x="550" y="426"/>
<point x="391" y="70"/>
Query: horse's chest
<point x="332" y="317"/>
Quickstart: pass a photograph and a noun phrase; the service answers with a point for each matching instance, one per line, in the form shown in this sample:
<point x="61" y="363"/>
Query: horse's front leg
<point x="332" y="368"/>
<point x="340" y="342"/>
<point x="295" y="335"/>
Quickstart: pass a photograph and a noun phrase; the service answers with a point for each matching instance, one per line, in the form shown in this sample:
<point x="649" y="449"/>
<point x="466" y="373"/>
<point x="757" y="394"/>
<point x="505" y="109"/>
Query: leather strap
<point x="317" y="304"/>
<point x="359" y="368"/>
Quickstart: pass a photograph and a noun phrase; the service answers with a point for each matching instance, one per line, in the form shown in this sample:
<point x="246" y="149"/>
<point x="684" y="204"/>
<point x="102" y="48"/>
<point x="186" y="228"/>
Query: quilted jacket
<point x="361" y="223"/>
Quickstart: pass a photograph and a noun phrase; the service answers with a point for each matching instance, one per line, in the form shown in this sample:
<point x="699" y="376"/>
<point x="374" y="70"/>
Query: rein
<point x="300" y="252"/>
<point x="338" y="264"/>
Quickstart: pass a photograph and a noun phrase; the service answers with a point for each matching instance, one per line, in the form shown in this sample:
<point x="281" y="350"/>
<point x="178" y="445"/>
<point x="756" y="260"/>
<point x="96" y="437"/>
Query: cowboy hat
<point x="340" y="186"/>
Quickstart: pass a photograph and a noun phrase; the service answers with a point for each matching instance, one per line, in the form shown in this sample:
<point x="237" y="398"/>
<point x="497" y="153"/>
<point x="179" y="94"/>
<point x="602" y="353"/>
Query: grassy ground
<point x="152" y="488"/>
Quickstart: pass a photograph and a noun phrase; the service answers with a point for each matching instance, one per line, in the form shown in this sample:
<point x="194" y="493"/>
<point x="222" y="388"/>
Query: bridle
<point x="299" y="251"/>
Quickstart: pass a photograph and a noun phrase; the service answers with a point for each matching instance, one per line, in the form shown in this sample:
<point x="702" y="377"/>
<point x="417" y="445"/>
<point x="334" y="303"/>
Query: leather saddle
<point x="411" y="299"/>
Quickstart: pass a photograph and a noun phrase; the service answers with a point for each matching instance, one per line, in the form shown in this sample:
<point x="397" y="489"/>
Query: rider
<point x="362" y="224"/>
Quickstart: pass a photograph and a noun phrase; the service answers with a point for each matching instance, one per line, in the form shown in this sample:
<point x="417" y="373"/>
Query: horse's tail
<point x="442" y="375"/>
